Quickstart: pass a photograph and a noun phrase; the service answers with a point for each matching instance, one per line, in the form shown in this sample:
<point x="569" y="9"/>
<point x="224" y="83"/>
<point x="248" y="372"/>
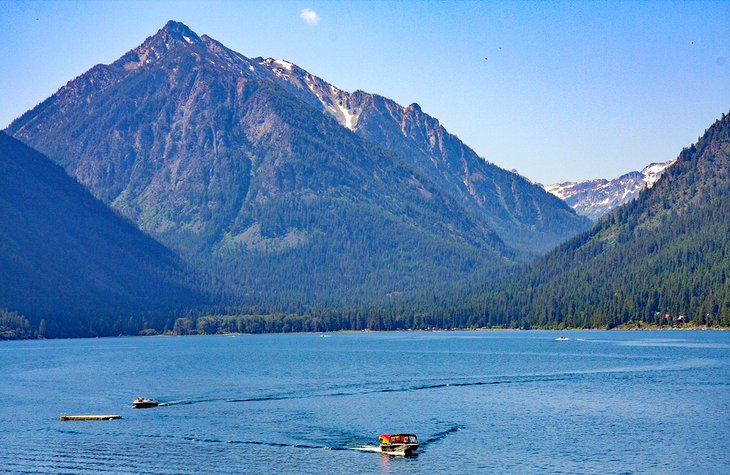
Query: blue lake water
<point x="480" y="402"/>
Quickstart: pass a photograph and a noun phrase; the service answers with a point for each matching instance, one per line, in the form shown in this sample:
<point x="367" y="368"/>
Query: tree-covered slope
<point x="67" y="258"/>
<point x="666" y="253"/>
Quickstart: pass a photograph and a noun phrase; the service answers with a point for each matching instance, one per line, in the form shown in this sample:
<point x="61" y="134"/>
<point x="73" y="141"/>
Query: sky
<point x="560" y="91"/>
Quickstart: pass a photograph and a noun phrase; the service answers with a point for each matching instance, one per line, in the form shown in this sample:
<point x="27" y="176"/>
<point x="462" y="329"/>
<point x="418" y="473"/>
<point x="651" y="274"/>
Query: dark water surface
<point x="481" y="402"/>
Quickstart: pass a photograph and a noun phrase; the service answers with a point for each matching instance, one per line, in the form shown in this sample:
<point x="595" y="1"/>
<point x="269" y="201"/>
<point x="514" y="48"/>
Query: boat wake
<point x="184" y="402"/>
<point x="402" y="389"/>
<point x="368" y="448"/>
<point x="378" y="450"/>
<point x="364" y="448"/>
<point x="441" y="435"/>
<point x="288" y="397"/>
<point x="358" y="448"/>
<point x="486" y="381"/>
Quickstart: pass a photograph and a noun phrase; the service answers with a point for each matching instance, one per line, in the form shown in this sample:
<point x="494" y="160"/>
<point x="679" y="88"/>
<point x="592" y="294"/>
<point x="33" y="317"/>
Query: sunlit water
<point x="480" y="402"/>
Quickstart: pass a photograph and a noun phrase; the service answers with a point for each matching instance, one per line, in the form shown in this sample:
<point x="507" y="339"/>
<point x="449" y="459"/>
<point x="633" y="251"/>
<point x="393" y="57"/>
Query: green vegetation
<point x="662" y="261"/>
<point x="16" y="327"/>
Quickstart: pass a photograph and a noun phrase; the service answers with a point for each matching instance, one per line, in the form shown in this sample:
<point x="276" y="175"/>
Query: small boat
<point x="398" y="444"/>
<point x="142" y="403"/>
<point x="562" y="338"/>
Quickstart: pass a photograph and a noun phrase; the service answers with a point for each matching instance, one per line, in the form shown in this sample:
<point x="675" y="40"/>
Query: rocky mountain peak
<point x="173" y="33"/>
<point x="173" y="27"/>
<point x="169" y="37"/>
<point x="421" y="141"/>
<point x="653" y="171"/>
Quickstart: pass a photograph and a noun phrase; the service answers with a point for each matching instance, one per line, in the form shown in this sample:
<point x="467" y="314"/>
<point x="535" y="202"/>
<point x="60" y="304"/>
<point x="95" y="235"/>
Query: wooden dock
<point x="90" y="417"/>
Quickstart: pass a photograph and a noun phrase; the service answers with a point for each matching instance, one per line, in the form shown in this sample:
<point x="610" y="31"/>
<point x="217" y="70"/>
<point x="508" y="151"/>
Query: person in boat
<point x="388" y="440"/>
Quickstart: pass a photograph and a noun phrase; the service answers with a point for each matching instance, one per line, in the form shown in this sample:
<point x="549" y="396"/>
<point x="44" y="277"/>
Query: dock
<point x="90" y="417"/>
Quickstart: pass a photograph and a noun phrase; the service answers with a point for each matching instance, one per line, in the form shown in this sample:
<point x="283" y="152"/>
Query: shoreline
<point x="633" y="328"/>
<point x="451" y="330"/>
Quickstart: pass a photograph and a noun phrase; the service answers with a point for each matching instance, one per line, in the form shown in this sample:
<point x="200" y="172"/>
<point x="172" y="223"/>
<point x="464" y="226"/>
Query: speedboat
<point x="398" y="444"/>
<point x="562" y="338"/>
<point x="142" y="403"/>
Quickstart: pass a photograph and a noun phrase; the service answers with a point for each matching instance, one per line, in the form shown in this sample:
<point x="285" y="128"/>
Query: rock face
<point x="283" y="183"/>
<point x="595" y="198"/>
<point x="67" y="258"/>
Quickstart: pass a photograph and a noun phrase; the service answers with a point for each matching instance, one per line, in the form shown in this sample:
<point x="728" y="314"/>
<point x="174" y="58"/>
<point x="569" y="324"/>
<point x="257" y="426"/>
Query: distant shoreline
<point x="625" y="327"/>
<point x="450" y="330"/>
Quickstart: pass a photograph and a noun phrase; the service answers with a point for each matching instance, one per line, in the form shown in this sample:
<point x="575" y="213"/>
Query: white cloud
<point x="310" y="16"/>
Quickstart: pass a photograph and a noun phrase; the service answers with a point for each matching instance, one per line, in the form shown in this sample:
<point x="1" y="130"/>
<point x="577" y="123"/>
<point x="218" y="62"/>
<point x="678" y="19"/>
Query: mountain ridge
<point x="471" y="180"/>
<point x="597" y="197"/>
<point x="290" y="195"/>
<point x="422" y="141"/>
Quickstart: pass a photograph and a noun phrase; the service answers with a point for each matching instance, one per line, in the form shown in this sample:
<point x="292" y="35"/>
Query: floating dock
<point x="90" y="417"/>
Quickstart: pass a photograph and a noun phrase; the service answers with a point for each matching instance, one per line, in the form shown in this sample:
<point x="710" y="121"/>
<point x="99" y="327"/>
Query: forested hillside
<point x="663" y="256"/>
<point x="69" y="260"/>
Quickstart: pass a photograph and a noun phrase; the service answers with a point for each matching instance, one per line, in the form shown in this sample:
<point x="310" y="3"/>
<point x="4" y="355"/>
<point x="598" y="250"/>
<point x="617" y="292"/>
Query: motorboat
<point x="398" y="444"/>
<point x="562" y="338"/>
<point x="142" y="403"/>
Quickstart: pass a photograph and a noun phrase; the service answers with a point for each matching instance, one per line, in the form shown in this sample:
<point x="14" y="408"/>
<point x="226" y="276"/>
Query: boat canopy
<point x="398" y="438"/>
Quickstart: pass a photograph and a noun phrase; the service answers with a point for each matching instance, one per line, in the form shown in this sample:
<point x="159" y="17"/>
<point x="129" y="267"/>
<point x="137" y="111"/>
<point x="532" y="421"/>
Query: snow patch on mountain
<point x="653" y="171"/>
<point x="285" y="64"/>
<point x="347" y="114"/>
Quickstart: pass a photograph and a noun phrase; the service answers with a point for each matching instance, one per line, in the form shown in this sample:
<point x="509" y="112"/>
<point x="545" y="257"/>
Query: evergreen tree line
<point x="14" y="326"/>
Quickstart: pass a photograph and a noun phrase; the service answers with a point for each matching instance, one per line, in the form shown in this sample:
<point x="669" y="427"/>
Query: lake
<point x="480" y="402"/>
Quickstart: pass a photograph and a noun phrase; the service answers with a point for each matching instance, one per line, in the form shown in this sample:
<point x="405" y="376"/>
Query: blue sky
<point x="558" y="90"/>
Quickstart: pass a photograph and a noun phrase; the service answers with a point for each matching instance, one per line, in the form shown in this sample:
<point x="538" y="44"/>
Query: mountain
<point x="279" y="195"/>
<point x="67" y="258"/>
<point x="665" y="254"/>
<point x="595" y="198"/>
